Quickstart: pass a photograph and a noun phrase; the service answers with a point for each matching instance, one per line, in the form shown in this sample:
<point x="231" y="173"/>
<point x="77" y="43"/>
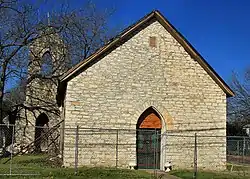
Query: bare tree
<point x="87" y="30"/>
<point x="78" y="31"/>
<point x="239" y="106"/>
<point x="15" y="35"/>
<point x="35" y="50"/>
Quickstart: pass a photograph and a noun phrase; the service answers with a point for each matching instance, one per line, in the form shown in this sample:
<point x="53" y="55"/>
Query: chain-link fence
<point x="114" y="147"/>
<point x="20" y="148"/>
<point x="150" y="149"/>
<point x="119" y="147"/>
<point x="238" y="149"/>
<point x="126" y="148"/>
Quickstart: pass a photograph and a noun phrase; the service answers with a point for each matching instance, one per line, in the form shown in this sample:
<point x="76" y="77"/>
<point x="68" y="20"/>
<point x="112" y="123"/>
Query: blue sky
<point x="218" y="29"/>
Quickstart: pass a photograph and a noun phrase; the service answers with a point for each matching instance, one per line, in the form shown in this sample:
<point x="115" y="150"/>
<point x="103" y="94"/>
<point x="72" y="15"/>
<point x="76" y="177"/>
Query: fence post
<point x="244" y="148"/>
<point x="76" y="150"/>
<point x="116" y="149"/>
<point x="195" y="156"/>
<point x="12" y="146"/>
<point x="238" y="151"/>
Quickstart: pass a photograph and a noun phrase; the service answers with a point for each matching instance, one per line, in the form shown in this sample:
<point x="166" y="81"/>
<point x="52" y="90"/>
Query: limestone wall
<point x="41" y="90"/>
<point x="116" y="90"/>
<point x="100" y="147"/>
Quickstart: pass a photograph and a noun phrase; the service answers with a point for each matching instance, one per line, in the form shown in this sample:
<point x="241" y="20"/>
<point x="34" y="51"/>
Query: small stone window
<point x="152" y="41"/>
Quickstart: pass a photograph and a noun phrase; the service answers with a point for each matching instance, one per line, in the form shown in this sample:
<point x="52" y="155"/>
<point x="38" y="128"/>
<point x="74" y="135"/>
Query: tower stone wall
<point x="48" y="58"/>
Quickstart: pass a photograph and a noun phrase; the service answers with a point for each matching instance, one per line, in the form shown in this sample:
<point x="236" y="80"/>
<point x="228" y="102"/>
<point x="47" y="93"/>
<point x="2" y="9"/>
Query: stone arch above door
<point x="149" y="119"/>
<point x="166" y="119"/>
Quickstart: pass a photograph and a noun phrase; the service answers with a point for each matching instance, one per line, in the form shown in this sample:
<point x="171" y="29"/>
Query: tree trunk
<point x="2" y="86"/>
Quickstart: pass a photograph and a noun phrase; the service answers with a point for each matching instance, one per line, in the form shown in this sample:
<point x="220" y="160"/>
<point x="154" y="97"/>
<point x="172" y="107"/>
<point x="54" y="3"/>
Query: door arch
<point x="148" y="139"/>
<point x="41" y="120"/>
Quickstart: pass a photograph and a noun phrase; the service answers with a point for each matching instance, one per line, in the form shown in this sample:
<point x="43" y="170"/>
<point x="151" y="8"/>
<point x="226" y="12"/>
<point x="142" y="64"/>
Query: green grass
<point x="185" y="174"/>
<point x="39" y="164"/>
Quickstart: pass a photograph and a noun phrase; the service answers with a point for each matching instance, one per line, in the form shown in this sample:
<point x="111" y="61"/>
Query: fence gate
<point x="148" y="148"/>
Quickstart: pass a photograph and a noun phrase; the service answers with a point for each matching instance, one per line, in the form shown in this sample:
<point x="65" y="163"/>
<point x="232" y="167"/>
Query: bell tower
<point x="48" y="61"/>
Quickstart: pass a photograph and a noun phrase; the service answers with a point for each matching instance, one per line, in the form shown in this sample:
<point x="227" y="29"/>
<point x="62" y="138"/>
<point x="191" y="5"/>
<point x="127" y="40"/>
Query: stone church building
<point x="147" y="78"/>
<point x="146" y="88"/>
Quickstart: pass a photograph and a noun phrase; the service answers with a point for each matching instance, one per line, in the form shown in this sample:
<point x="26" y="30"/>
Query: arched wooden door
<point x="148" y="140"/>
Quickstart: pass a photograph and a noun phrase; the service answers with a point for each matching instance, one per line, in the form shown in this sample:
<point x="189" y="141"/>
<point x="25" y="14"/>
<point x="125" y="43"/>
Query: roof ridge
<point x="131" y="29"/>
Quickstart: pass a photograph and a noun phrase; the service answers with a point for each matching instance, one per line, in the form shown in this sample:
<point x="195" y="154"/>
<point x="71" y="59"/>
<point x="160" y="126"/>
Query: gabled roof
<point x="128" y="33"/>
